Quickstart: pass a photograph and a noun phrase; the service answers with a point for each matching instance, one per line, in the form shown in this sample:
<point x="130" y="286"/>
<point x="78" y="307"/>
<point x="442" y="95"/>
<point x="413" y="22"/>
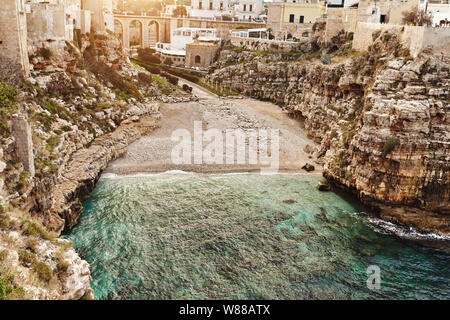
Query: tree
<point x="417" y="18"/>
<point x="179" y="11"/>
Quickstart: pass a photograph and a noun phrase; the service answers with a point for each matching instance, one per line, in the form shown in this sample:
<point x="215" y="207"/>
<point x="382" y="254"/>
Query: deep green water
<point x="244" y="237"/>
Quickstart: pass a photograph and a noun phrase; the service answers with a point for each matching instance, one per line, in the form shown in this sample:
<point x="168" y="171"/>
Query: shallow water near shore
<point x="244" y="236"/>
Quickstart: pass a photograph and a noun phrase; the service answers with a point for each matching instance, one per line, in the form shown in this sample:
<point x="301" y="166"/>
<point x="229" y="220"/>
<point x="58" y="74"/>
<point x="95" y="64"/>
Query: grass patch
<point x="8" y="289"/>
<point x="43" y="271"/>
<point x="8" y="105"/>
<point x="23" y="181"/>
<point x="27" y="258"/>
<point x="30" y="228"/>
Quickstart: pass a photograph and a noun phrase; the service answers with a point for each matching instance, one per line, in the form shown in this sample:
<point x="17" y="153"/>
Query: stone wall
<point x="13" y="39"/>
<point x="340" y="19"/>
<point x="97" y="18"/>
<point x="414" y="38"/>
<point x="47" y="24"/>
<point x="21" y="131"/>
<point x="264" y="44"/>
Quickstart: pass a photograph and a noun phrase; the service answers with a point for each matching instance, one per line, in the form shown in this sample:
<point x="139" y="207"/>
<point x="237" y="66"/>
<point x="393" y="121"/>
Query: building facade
<point x="293" y="18"/>
<point x="210" y="9"/>
<point x="249" y="10"/>
<point x="201" y="54"/>
<point x="190" y="47"/>
<point x="30" y="27"/>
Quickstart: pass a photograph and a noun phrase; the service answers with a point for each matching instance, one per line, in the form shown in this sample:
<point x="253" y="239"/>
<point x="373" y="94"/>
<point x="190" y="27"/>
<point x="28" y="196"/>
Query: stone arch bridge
<point x="145" y="31"/>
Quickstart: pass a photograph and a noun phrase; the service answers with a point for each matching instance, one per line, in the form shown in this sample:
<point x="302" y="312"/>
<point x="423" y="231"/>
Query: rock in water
<point x="323" y="186"/>
<point x="308" y="167"/>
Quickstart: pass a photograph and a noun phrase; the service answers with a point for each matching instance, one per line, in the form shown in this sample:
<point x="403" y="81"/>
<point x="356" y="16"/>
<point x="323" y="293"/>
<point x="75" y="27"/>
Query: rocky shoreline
<point x="379" y="117"/>
<point x="83" y="171"/>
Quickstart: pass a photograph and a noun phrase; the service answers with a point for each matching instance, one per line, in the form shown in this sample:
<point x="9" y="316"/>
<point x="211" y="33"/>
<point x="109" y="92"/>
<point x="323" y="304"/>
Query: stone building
<point x="54" y="21"/>
<point x="249" y="9"/>
<point x="29" y="27"/>
<point x="210" y="9"/>
<point x="368" y="11"/>
<point x="102" y="14"/>
<point x="13" y="39"/>
<point x="201" y="54"/>
<point x="293" y="18"/>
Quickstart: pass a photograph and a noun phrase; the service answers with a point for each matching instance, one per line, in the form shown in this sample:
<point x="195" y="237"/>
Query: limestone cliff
<point x="381" y="118"/>
<point x="83" y="105"/>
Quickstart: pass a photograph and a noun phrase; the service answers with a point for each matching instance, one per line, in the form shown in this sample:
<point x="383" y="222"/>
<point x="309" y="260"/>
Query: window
<point x="197" y="59"/>
<point x="200" y="5"/>
<point x="210" y="6"/>
<point x="251" y="8"/>
<point x="291" y="18"/>
<point x="302" y="18"/>
<point x="245" y="7"/>
<point x="383" y="18"/>
<point x="221" y="6"/>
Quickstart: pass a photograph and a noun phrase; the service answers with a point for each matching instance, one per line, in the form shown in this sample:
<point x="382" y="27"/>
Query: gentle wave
<point x="243" y="236"/>
<point x="403" y="232"/>
<point x="142" y="175"/>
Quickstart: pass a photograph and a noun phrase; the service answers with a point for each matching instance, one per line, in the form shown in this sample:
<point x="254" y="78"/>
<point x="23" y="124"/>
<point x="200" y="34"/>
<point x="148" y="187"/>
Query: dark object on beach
<point x="289" y="201"/>
<point x="187" y="88"/>
<point x="308" y="167"/>
<point x="323" y="186"/>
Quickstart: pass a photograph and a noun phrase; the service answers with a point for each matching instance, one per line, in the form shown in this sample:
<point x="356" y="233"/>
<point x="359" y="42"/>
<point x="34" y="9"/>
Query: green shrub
<point x="146" y="55"/>
<point x="27" y="258"/>
<point x="187" y="88"/>
<point x="30" y="228"/>
<point x="389" y="145"/>
<point x="32" y="244"/>
<point x="61" y="264"/>
<point x="171" y="79"/>
<point x="7" y="96"/>
<point x="44" y="119"/>
<point x="144" y="79"/>
<point x="23" y="181"/>
<point x="8" y="290"/>
<point x="43" y="271"/>
<point x="3" y="255"/>
<point x="52" y="143"/>
<point x="8" y="105"/>
<point x="66" y="128"/>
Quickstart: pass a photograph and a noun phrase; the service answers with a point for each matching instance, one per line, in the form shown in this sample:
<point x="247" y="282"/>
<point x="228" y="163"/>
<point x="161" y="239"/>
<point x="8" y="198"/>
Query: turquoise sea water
<point x="244" y="237"/>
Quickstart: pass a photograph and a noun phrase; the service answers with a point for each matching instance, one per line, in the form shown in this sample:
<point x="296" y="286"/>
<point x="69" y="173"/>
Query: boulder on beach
<point x="308" y="167"/>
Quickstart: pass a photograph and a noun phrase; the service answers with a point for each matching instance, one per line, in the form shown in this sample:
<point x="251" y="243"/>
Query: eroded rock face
<point x="382" y="121"/>
<point x="82" y="173"/>
<point x="68" y="275"/>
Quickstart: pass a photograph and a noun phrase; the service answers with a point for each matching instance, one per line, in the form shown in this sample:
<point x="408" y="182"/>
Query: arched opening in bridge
<point x="118" y="30"/>
<point x="153" y="33"/>
<point x="135" y="33"/>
